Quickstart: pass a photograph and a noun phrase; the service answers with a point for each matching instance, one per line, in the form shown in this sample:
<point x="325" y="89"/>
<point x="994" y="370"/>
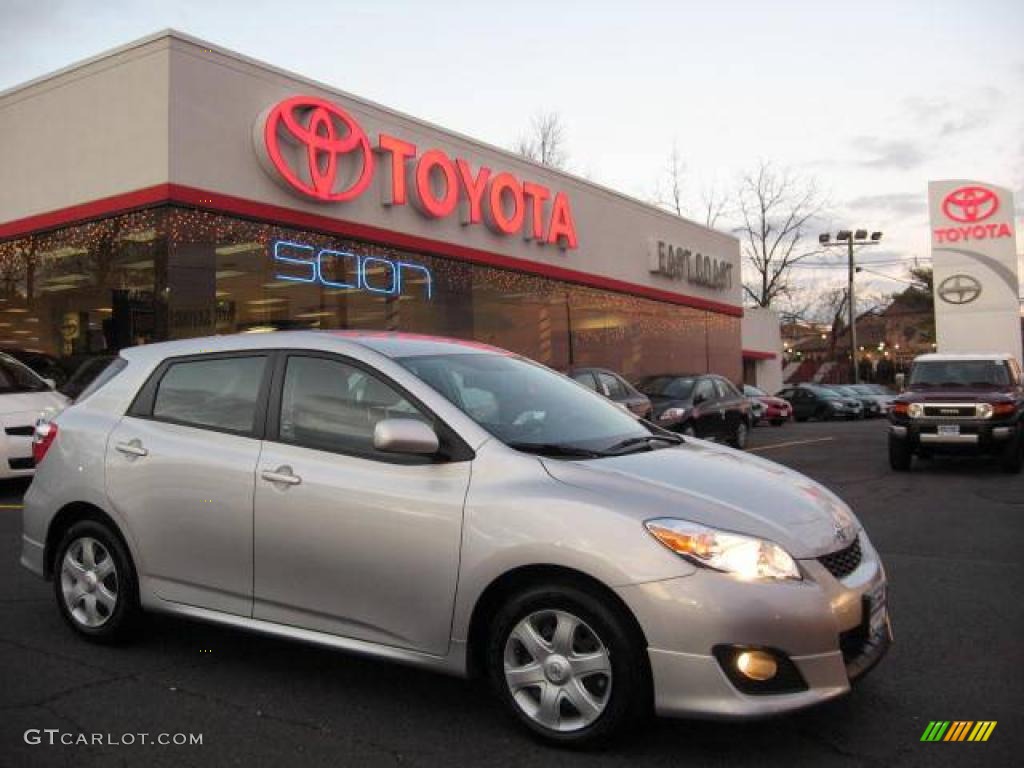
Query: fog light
<point x="757" y="665"/>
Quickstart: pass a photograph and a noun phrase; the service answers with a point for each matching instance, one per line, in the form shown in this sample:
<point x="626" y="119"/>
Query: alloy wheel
<point x="557" y="670"/>
<point x="741" y="435"/>
<point x="89" y="582"/>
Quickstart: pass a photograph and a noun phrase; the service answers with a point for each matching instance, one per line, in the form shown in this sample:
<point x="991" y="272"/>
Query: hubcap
<point x="558" y="671"/>
<point x="741" y="435"/>
<point x="88" y="581"/>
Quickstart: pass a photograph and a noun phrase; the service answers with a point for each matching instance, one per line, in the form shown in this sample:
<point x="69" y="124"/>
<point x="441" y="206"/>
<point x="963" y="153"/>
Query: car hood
<point x="721" y="488"/>
<point x="956" y="395"/>
<point x="21" y="402"/>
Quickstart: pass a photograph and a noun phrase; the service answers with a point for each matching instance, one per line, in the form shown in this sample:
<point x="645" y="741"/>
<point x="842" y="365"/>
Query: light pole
<point x="848" y="238"/>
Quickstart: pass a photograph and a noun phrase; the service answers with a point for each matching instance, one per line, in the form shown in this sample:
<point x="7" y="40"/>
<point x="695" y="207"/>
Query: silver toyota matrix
<point x="457" y="507"/>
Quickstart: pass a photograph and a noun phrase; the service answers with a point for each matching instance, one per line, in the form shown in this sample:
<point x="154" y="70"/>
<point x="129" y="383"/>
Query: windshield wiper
<point x="642" y="440"/>
<point x="556" y="449"/>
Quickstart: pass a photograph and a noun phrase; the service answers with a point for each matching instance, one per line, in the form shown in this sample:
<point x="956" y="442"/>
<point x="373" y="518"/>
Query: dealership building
<point x="172" y="189"/>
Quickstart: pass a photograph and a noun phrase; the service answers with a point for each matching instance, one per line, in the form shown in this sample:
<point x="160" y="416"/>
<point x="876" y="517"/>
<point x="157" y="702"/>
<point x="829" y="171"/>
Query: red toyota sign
<point x="971" y="205"/>
<point x="321" y="152"/>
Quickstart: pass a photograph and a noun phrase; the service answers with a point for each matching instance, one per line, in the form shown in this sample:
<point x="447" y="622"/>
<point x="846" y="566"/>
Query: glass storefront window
<point x="172" y="272"/>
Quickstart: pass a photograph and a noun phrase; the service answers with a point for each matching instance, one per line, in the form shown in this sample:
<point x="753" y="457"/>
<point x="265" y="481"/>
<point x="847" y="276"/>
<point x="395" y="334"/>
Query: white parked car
<point x="25" y="397"/>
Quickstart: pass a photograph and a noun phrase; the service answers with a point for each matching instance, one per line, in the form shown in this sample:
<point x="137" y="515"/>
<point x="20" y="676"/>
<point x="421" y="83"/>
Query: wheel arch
<point x="520" y="578"/>
<point x="67" y="516"/>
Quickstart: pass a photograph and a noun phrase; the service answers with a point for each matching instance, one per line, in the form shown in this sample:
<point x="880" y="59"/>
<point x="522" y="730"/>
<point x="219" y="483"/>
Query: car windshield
<point x="828" y="394"/>
<point x="750" y="391"/>
<point x="15" y="377"/>
<point x="527" y="406"/>
<point x="863" y="389"/>
<point x="674" y="387"/>
<point x="960" y="373"/>
<point x="847" y="391"/>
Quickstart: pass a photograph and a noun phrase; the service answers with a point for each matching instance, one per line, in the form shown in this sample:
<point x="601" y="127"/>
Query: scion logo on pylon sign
<point x="318" y="149"/>
<point x="970" y="204"/>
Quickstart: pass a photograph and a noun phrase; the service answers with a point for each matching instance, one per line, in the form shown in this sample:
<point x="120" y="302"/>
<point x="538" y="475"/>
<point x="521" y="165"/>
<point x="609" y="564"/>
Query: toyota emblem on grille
<point x="959" y="289"/>
<point x="839" y="531"/>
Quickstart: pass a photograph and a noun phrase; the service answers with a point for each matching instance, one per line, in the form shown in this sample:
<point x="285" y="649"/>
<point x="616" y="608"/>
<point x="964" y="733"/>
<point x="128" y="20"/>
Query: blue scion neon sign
<point x="365" y="273"/>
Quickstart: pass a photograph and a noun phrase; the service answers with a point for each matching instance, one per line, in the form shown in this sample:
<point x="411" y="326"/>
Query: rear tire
<point x="573" y="629"/>
<point x="1010" y="459"/>
<point x="95" y="583"/>
<point x="900" y="456"/>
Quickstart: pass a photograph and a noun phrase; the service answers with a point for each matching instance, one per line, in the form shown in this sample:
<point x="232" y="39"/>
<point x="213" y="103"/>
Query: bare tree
<point x="774" y="208"/>
<point x="544" y="142"/>
<point x="715" y="202"/>
<point x="672" y="198"/>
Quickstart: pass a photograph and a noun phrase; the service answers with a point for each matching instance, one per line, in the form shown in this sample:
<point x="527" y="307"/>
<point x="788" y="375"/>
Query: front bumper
<point x="973" y="435"/>
<point x="820" y="624"/>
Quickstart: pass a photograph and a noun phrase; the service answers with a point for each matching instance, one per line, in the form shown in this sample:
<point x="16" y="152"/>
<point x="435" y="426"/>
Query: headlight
<point x="984" y="410"/>
<point x="673" y="414"/>
<point x="916" y="410"/>
<point x="743" y="556"/>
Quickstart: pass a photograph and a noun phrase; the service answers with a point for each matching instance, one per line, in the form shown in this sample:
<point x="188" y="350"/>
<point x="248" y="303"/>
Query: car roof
<point x="392" y="344"/>
<point x="943" y="357"/>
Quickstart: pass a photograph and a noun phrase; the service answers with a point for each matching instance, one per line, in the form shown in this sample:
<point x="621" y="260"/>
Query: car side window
<point x="724" y="389"/>
<point x="586" y="378"/>
<point x="611" y="385"/>
<point x="329" y="405"/>
<point x="705" y="391"/>
<point x="219" y="393"/>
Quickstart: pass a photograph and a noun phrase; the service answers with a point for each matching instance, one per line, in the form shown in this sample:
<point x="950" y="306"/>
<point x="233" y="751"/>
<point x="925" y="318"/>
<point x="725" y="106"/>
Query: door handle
<point x="132" y="448"/>
<point x="282" y="475"/>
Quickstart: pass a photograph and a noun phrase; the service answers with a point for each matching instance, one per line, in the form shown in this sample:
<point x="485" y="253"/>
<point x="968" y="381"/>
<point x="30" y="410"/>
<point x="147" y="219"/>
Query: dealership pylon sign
<point x="974" y="255"/>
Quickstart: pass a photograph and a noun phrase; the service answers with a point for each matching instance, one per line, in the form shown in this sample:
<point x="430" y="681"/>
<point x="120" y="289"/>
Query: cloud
<point x="897" y="203"/>
<point x="944" y="117"/>
<point x="901" y="154"/>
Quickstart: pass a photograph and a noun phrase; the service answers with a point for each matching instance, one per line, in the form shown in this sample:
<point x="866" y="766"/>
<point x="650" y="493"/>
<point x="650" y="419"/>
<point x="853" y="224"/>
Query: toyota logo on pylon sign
<point x="970" y="204"/>
<point x="321" y="152"/>
<point x="318" y="148"/>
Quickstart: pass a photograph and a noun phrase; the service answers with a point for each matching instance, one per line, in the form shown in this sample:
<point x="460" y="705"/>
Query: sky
<point x="869" y="100"/>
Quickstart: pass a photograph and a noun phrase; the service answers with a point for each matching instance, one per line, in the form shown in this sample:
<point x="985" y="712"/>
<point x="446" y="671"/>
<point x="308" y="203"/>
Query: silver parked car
<point x="457" y="507"/>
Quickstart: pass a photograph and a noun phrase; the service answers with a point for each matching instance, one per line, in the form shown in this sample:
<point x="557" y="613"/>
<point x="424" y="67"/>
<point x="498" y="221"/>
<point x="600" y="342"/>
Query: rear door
<point x="349" y="540"/>
<point x="180" y="469"/>
<point x="730" y="404"/>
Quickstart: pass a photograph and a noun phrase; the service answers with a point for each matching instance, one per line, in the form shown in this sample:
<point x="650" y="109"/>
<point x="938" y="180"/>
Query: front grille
<point x="844" y="562"/>
<point x="21" y="431"/>
<point x="955" y="411"/>
<point x="28" y="463"/>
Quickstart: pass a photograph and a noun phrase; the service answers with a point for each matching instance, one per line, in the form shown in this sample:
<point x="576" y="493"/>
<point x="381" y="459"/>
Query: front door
<point x="708" y="413"/>
<point x="349" y="540"/>
<point x="179" y="471"/>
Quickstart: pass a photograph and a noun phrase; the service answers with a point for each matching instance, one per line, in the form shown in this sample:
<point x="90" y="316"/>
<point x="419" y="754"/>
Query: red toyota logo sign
<point x="320" y="151"/>
<point x="970" y="204"/>
<point x="318" y="148"/>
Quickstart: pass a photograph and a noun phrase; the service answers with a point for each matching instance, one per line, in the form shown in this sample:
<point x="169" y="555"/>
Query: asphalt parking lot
<point x="950" y="533"/>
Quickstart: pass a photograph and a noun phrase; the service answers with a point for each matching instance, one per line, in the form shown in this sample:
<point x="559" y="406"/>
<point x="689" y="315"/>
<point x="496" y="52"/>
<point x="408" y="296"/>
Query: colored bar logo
<point x="958" y="730"/>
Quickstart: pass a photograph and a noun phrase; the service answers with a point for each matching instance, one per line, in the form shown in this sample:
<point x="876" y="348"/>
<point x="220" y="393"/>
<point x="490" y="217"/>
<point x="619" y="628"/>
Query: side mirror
<point x="405" y="436"/>
<point x="698" y="399"/>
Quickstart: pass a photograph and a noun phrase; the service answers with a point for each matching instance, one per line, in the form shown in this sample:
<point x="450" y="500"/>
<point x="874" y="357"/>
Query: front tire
<point x="95" y="583"/>
<point x="568" y="666"/>
<point x="900" y="456"/>
<point x="739" y="437"/>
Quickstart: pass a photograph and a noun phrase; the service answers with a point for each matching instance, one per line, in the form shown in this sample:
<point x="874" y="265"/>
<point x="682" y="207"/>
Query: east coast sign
<point x="677" y="262"/>
<point x="320" y="152"/>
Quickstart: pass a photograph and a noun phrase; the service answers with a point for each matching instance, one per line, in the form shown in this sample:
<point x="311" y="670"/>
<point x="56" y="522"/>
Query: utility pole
<point x="848" y="238"/>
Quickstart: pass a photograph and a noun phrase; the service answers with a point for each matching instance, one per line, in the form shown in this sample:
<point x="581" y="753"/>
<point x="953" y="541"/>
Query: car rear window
<point x="221" y="393"/>
<point x="109" y="372"/>
<point x="16" y="377"/>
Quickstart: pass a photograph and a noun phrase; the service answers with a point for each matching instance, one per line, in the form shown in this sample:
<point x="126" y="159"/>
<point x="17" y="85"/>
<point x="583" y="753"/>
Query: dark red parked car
<point x="776" y="411"/>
